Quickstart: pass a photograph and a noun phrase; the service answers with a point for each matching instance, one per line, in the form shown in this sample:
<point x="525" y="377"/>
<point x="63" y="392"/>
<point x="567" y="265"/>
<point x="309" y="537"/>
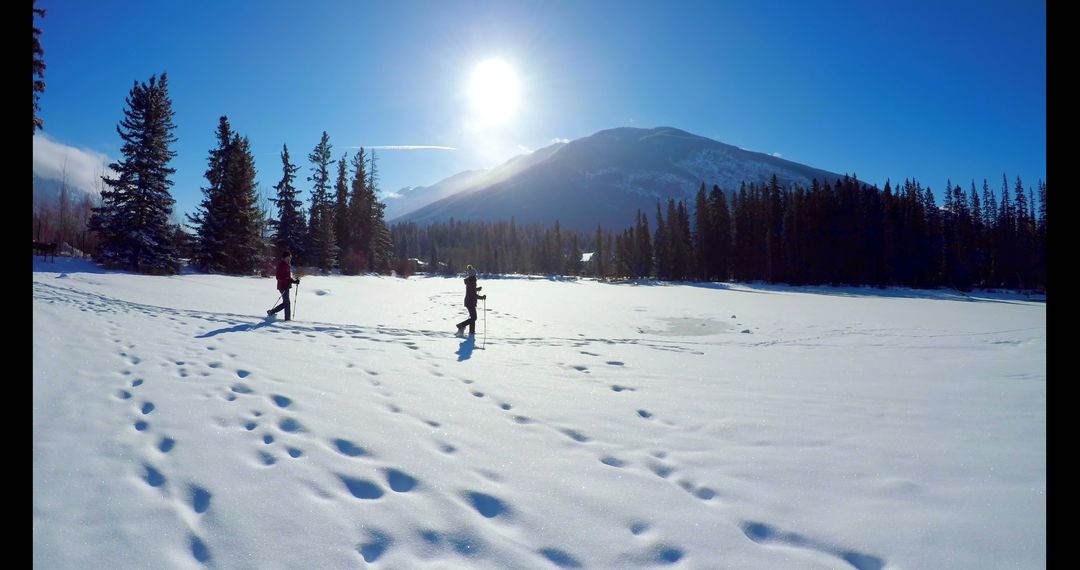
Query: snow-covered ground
<point x="595" y="426"/>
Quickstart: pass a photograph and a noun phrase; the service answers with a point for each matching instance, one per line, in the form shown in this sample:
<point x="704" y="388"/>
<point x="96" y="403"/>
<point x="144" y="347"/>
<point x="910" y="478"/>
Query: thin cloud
<point x="405" y="147"/>
<point x="82" y="167"/>
<point x="562" y="140"/>
<point x="525" y="149"/>
<point x="778" y="155"/>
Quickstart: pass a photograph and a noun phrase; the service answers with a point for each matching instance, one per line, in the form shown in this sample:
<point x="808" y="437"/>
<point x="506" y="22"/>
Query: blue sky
<point x="885" y="90"/>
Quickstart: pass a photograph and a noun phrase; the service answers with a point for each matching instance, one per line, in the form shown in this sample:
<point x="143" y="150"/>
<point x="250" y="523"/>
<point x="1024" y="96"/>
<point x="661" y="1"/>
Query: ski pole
<point x="485" y="321"/>
<point x="296" y="297"/>
<point x="280" y="293"/>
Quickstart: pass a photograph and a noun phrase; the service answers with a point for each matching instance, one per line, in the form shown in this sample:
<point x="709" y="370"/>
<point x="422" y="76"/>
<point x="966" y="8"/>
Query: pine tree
<point x="682" y="254"/>
<point x="722" y="234"/>
<point x="133" y="220"/>
<point x="573" y="260"/>
<point x="39" y="69"/>
<point x="341" y="208"/>
<point x="792" y="225"/>
<point x="1042" y="205"/>
<point x="289" y="227"/>
<point x="741" y="239"/>
<point x="244" y="222"/>
<point x="609" y="253"/>
<point x="874" y="210"/>
<point x="991" y="257"/>
<point x="932" y="242"/>
<point x="209" y="220"/>
<point x="382" y="246"/>
<point x="774" y="220"/>
<point x="599" y="255"/>
<point x="645" y="248"/>
<point x="703" y="236"/>
<point x="1024" y="239"/>
<point x="559" y="267"/>
<point x="1041" y="277"/>
<point x="228" y="222"/>
<point x="660" y="247"/>
<point x="360" y="230"/>
<point x="321" y="244"/>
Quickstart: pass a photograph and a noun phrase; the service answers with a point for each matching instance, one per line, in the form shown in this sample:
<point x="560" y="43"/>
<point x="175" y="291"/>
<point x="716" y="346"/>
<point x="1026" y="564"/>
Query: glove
<point x="479" y="288"/>
<point x="481" y="296"/>
<point x="296" y="281"/>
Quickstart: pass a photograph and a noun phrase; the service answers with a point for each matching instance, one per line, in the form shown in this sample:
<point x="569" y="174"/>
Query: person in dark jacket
<point x="285" y="282"/>
<point x="471" y="296"/>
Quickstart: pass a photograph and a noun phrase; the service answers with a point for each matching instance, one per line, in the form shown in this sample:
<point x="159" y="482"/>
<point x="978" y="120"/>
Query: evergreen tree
<point x="704" y="235"/>
<point x="660" y="247"/>
<point x="573" y="260"/>
<point x="609" y="253"/>
<point x="133" y="220"/>
<point x="228" y="223"/>
<point x="1041" y="275"/>
<point x="209" y="218"/>
<point x="774" y="228"/>
<point x="558" y="261"/>
<point x="382" y="246"/>
<point x="599" y="255"/>
<point x="682" y="254"/>
<point x="874" y="236"/>
<point x="722" y="231"/>
<point x="245" y="222"/>
<point x="289" y="227"/>
<point x="990" y="233"/>
<point x="978" y="253"/>
<point x="1023" y="252"/>
<point x="321" y="244"/>
<point x="341" y="208"/>
<point x="39" y="69"/>
<point x="645" y="248"/>
<point x="931" y="241"/>
<point x="791" y="238"/>
<point x="360" y="230"/>
<point x="742" y="243"/>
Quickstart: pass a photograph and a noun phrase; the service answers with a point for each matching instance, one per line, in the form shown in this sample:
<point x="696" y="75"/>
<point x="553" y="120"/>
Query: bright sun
<point x="494" y="90"/>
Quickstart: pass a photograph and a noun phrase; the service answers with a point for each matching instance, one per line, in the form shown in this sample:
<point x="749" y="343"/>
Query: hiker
<point x="471" y="296"/>
<point x="285" y="282"/>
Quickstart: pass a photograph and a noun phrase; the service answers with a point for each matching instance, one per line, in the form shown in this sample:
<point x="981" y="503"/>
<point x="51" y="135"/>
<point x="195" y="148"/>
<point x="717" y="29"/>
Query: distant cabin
<point x="416" y="265"/>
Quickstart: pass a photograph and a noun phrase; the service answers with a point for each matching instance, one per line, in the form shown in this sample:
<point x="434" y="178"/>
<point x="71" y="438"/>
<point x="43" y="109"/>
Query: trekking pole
<point x="296" y="297"/>
<point x="485" y="321"/>
<point x="280" y="293"/>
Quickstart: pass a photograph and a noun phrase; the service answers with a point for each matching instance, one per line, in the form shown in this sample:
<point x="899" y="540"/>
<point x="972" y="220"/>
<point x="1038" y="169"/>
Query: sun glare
<point x="494" y="90"/>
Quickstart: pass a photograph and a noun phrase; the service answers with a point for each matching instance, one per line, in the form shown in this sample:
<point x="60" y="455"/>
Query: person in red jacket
<point x="285" y="282"/>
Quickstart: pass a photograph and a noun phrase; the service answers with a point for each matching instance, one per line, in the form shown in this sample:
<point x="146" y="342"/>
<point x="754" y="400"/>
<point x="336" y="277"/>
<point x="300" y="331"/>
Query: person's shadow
<point x="243" y="327"/>
<point x="466" y="347"/>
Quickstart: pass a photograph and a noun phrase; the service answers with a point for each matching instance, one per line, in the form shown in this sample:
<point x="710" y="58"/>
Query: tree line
<point x="840" y="233"/>
<point x="233" y="231"/>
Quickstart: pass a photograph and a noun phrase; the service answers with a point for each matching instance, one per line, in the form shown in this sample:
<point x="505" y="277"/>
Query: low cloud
<point x="778" y="155"/>
<point x="563" y="140"/>
<point x="83" y="168"/>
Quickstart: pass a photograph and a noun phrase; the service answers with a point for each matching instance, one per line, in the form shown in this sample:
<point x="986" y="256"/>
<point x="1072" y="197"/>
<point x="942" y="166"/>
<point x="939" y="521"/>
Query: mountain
<point x="48" y="189"/>
<point x="413" y="198"/>
<point x="605" y="178"/>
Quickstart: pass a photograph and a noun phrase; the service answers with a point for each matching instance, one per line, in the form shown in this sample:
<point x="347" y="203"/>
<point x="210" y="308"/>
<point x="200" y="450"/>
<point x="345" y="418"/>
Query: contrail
<point x="406" y="147"/>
